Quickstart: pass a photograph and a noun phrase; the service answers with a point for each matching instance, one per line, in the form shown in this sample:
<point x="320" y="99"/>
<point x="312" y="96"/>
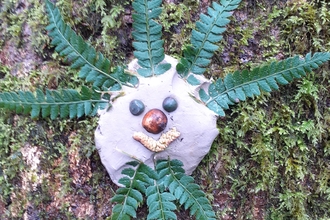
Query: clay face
<point x="187" y="135"/>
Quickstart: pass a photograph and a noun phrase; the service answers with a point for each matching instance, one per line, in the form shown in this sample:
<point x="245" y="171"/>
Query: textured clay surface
<point x="195" y="122"/>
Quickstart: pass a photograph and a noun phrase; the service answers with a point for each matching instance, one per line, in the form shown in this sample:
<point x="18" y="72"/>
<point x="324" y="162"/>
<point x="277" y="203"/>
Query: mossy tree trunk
<point x="270" y="161"/>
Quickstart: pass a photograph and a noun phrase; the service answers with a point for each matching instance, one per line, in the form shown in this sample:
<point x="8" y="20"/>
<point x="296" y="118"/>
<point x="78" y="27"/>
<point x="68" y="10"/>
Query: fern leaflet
<point x="94" y="67"/>
<point x="182" y="187"/>
<point x="239" y="85"/>
<point x="160" y="203"/>
<point x="130" y="196"/>
<point x="209" y="31"/>
<point x="148" y="44"/>
<point x="66" y="103"/>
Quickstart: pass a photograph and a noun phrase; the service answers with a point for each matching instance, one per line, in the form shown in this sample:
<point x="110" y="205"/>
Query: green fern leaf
<point x="94" y="67"/>
<point x="160" y="203"/>
<point x="237" y="86"/>
<point x="209" y="31"/>
<point x="172" y="175"/>
<point x="135" y="182"/>
<point x="66" y="103"/>
<point x="147" y="34"/>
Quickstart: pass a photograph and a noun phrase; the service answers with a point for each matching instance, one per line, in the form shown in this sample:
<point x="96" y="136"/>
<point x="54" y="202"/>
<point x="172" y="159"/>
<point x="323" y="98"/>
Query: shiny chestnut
<point x="154" y="121"/>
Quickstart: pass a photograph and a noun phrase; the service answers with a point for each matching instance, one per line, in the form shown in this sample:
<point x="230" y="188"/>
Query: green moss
<point x="305" y="26"/>
<point x="177" y="22"/>
<point x="275" y="150"/>
<point x="272" y="153"/>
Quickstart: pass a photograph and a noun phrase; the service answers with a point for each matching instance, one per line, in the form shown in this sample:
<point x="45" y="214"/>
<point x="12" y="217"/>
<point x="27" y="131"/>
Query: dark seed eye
<point x="170" y="104"/>
<point x="136" y="107"/>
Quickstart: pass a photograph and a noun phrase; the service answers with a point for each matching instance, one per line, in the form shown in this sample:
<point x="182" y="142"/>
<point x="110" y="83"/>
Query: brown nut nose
<point x="154" y="121"/>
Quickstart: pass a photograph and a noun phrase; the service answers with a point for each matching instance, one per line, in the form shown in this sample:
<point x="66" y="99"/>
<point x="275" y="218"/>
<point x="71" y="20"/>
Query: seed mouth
<point x="161" y="144"/>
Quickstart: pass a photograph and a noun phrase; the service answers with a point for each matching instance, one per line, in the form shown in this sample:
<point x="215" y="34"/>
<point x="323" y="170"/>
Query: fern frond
<point x="130" y="196"/>
<point x="160" y="203"/>
<point x="66" y="103"/>
<point x="182" y="187"/>
<point x="239" y="85"/>
<point x="147" y="34"/>
<point x="94" y="67"/>
<point x="208" y="32"/>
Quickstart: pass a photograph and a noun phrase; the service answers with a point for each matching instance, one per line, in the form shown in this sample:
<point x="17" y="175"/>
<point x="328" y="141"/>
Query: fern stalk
<point x="66" y="103"/>
<point x="130" y="195"/>
<point x="186" y="192"/>
<point x="163" y="186"/>
<point x="160" y="203"/>
<point x="94" y="67"/>
<point x="147" y="34"/>
<point x="208" y="32"/>
<point x="237" y="86"/>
